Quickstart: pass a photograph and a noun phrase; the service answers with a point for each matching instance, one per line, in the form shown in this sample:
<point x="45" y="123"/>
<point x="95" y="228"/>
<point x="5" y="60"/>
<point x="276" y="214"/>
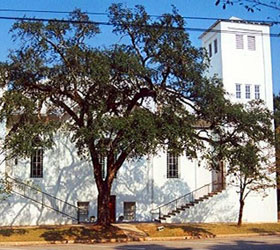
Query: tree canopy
<point x="120" y="102"/>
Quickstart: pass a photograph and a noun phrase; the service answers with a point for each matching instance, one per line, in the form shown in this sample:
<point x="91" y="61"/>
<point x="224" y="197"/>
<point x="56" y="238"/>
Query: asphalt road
<point x="259" y="243"/>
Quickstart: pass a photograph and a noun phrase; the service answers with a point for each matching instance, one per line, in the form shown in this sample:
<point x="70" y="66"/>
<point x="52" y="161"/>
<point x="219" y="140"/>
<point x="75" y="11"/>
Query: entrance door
<point x="112" y="207"/>
<point x="218" y="178"/>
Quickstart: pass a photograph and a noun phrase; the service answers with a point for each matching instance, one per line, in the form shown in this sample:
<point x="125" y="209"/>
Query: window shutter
<point x="239" y="41"/>
<point x="251" y="43"/>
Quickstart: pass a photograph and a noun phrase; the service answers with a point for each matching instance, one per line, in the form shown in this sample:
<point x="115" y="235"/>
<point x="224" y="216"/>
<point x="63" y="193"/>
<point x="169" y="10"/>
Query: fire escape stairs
<point x="191" y="201"/>
<point x="46" y="200"/>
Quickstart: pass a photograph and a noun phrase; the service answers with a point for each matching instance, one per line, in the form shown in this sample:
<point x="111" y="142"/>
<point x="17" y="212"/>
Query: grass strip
<point x="206" y="229"/>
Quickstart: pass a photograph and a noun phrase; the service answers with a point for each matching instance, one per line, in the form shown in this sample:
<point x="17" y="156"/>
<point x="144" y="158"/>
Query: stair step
<point x="176" y="211"/>
<point x="184" y="207"/>
<point x="194" y="202"/>
<point x="180" y="209"/>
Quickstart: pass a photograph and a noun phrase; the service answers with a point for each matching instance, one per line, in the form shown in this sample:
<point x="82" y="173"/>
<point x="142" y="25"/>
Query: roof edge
<point x="232" y="21"/>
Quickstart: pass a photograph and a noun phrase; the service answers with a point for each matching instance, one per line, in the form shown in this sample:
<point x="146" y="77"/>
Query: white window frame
<point x="248" y="91"/>
<point x="37" y="163"/>
<point x="257" y="92"/>
<point x="172" y="165"/>
<point x="238" y="91"/>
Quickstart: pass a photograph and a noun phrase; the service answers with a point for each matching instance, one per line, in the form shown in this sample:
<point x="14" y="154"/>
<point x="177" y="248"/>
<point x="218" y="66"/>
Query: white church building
<point x="56" y="187"/>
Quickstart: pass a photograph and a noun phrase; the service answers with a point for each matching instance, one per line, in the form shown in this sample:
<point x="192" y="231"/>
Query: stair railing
<point x="46" y="200"/>
<point x="189" y="198"/>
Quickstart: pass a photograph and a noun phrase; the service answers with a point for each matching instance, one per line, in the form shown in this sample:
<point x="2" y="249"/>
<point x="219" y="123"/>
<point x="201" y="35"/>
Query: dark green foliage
<point x="276" y="102"/>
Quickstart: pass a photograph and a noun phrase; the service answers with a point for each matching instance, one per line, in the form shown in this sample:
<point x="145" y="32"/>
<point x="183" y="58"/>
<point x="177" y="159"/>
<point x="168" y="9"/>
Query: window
<point x="210" y="50"/>
<point x="82" y="210"/>
<point x="251" y="43"/>
<point x="247" y="91"/>
<point x="129" y="210"/>
<point x="238" y="91"/>
<point x="257" y="92"/>
<point x="215" y="46"/>
<point x="83" y="207"/>
<point x="172" y="165"/>
<point x="103" y="163"/>
<point x="239" y="41"/>
<point x="36" y="170"/>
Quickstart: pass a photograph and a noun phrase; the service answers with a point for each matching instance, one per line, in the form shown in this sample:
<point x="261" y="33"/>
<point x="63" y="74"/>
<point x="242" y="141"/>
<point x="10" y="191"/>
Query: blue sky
<point x="193" y="8"/>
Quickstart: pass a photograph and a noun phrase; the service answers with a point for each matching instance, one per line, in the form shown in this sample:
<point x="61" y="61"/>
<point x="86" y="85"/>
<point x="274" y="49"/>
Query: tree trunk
<point x="241" y="206"/>
<point x="103" y="211"/>
<point x="104" y="217"/>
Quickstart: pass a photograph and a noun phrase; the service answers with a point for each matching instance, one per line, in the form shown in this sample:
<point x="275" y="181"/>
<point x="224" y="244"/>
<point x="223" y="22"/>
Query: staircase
<point x="46" y="200"/>
<point x="187" y="201"/>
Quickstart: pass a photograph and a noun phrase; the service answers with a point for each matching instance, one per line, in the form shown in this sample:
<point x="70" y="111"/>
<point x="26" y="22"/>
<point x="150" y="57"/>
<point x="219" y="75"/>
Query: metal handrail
<point x="44" y="194"/>
<point x="36" y="189"/>
<point x="181" y="197"/>
<point x="154" y="211"/>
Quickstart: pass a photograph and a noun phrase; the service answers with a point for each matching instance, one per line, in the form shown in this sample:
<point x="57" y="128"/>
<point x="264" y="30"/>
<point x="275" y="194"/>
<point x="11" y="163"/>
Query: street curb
<point x="25" y="243"/>
<point x="209" y="236"/>
<point x="245" y="235"/>
<point x="130" y="239"/>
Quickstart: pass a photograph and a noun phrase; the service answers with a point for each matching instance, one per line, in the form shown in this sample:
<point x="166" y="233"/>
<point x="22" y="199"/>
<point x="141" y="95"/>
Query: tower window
<point x="239" y="41"/>
<point x="238" y="91"/>
<point x="172" y="165"/>
<point x="210" y="50"/>
<point x="251" y="43"/>
<point x="248" y="91"/>
<point x="215" y="46"/>
<point x="257" y="92"/>
<point x="36" y="169"/>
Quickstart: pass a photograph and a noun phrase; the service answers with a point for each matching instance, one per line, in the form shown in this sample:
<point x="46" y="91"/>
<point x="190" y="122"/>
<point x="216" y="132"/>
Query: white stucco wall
<point x="143" y="181"/>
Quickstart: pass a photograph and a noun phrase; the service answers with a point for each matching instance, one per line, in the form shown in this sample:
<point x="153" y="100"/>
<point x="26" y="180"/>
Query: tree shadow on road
<point x="148" y="246"/>
<point x="246" y="244"/>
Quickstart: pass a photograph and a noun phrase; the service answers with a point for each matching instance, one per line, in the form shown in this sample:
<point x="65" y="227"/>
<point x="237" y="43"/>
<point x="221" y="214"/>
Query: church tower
<point x="239" y="53"/>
